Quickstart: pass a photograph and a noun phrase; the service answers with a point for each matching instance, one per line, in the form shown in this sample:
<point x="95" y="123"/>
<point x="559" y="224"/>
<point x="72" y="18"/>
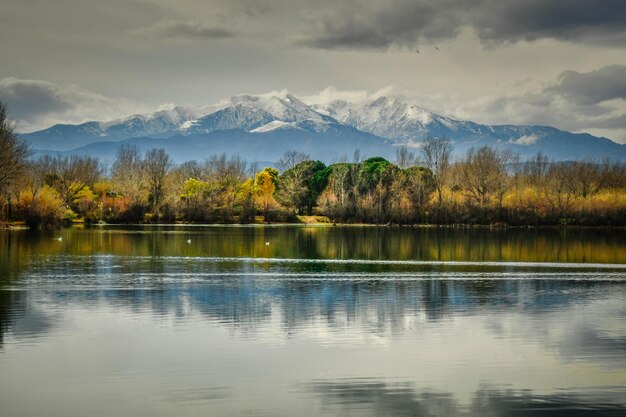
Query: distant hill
<point x="330" y="146"/>
<point x="264" y="127"/>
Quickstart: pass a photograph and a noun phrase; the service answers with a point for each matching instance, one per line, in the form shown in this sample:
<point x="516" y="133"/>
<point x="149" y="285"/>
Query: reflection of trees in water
<point x="471" y="244"/>
<point x="250" y="304"/>
<point x="25" y="248"/>
<point x="12" y="306"/>
<point x="379" y="305"/>
<point x="12" y="263"/>
<point x="373" y="397"/>
<point x="537" y="245"/>
<point x="140" y="259"/>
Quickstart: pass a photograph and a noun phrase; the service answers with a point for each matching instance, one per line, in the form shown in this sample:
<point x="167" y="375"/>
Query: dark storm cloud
<point x="30" y="99"/>
<point x="593" y="87"/>
<point x="178" y="29"/>
<point x="371" y="25"/>
<point x="601" y="21"/>
<point x="33" y="103"/>
<point x="367" y="25"/>
<point x="575" y="101"/>
<point x="616" y="122"/>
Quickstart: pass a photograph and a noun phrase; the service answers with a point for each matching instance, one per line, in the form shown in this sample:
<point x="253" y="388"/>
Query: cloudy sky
<point x="555" y="62"/>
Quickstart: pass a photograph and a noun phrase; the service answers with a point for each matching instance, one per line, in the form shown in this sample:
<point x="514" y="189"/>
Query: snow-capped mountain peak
<point x="384" y="116"/>
<point x="287" y="107"/>
<point x="275" y="125"/>
<point x="386" y="121"/>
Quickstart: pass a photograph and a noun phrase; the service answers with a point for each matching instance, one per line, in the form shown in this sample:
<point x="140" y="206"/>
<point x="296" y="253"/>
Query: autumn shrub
<point x="40" y="209"/>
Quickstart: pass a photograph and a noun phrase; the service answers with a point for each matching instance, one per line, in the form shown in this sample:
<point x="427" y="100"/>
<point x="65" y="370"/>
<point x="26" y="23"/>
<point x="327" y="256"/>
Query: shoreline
<point x="14" y="226"/>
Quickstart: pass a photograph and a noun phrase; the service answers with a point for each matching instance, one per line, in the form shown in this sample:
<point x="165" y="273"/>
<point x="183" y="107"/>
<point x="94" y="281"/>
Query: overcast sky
<point x="555" y="62"/>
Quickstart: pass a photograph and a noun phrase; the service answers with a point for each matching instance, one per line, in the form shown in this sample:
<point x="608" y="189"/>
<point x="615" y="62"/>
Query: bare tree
<point x="13" y="154"/>
<point x="405" y="158"/>
<point x="225" y="175"/>
<point x="535" y="170"/>
<point x="290" y="159"/>
<point x="225" y="171"/>
<point x="128" y="172"/>
<point x="484" y="173"/>
<point x="189" y="169"/>
<point x="558" y="188"/>
<point x="69" y="175"/>
<point x="586" y="178"/>
<point x="436" y="155"/>
<point x="157" y="164"/>
<point x="613" y="174"/>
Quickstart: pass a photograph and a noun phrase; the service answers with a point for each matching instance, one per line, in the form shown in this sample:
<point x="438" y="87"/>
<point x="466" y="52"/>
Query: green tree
<point x="374" y="181"/>
<point x="300" y="186"/>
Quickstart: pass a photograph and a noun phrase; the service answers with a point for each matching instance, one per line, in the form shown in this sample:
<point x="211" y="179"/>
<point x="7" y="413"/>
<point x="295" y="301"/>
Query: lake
<point x="312" y="320"/>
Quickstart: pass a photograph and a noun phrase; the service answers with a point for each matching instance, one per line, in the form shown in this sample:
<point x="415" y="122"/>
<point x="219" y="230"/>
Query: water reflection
<point x="227" y="325"/>
<point x="581" y="319"/>
<point x="376" y="398"/>
<point x="387" y="243"/>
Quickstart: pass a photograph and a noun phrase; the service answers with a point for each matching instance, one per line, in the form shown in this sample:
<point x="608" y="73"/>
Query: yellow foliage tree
<point x="40" y="209"/>
<point x="264" y="187"/>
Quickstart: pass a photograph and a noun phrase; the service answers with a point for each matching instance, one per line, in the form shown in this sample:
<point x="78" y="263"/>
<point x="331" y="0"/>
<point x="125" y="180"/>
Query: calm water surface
<point x="334" y="321"/>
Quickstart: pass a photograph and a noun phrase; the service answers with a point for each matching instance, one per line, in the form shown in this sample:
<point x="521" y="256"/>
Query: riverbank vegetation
<point x="428" y="186"/>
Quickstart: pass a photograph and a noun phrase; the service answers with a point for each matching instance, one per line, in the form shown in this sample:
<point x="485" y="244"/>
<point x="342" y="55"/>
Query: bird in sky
<point x="417" y="50"/>
<point x="437" y="48"/>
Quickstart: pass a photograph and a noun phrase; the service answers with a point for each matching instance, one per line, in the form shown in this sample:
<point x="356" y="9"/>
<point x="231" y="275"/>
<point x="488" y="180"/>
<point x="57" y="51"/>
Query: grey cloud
<point x="615" y="122"/>
<point x="179" y="29"/>
<point x="601" y="21"/>
<point x="366" y="25"/>
<point x="593" y="87"/>
<point x="575" y="101"/>
<point x="35" y="104"/>
<point x="29" y="99"/>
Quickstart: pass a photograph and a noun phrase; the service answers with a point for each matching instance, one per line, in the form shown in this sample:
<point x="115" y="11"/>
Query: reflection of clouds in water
<point x="506" y="334"/>
<point x="33" y="323"/>
<point x="585" y="341"/>
<point x="579" y="320"/>
<point x="378" y="307"/>
<point x="376" y="398"/>
<point x="598" y="331"/>
<point x="196" y="395"/>
<point x="12" y="306"/>
<point x="372" y="397"/>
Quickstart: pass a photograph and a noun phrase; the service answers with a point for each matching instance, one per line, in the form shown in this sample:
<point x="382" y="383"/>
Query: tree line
<point x="425" y="186"/>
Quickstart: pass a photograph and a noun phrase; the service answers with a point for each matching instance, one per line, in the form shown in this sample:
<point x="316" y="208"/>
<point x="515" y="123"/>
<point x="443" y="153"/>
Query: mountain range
<point x="263" y="127"/>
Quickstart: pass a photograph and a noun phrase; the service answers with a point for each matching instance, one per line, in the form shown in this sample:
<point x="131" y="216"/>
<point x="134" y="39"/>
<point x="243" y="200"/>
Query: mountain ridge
<point x="385" y="120"/>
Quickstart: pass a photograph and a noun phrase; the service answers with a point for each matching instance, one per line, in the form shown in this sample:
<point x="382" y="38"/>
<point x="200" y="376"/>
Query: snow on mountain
<point x="150" y="124"/>
<point x="274" y="125"/>
<point x="263" y="113"/>
<point x="284" y="107"/>
<point x="385" y="120"/>
<point x="391" y="118"/>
